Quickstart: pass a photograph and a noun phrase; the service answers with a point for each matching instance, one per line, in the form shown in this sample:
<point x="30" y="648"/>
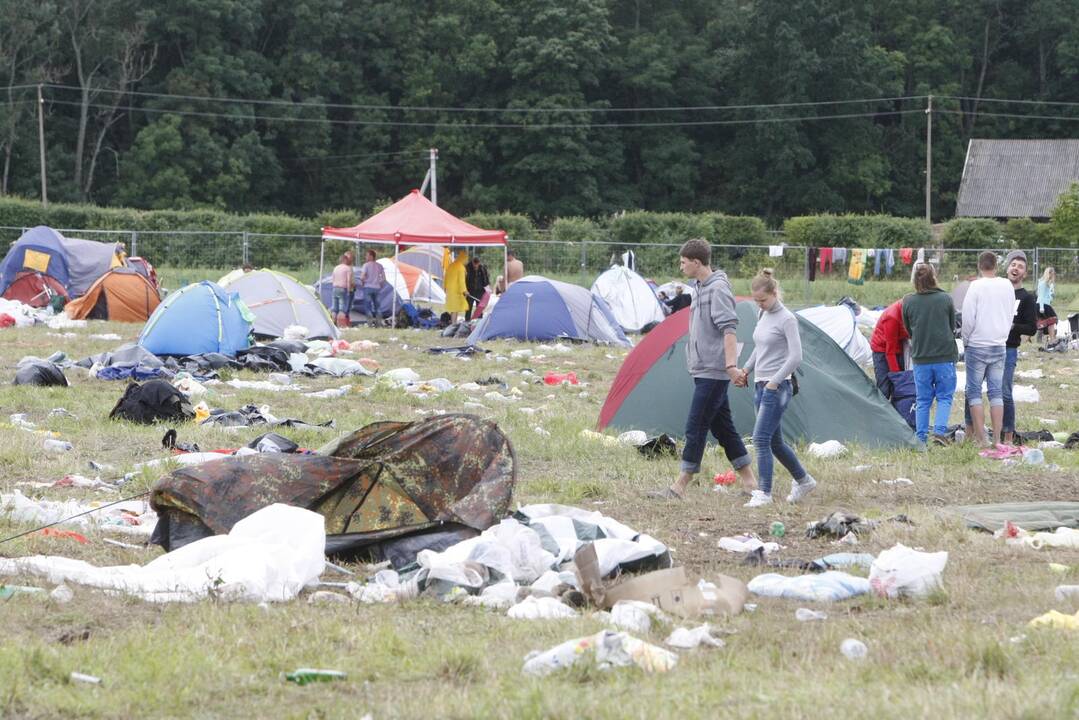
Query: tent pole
<point x="396" y="275"/>
<point x="321" y="264"/>
<point x="505" y="267"/>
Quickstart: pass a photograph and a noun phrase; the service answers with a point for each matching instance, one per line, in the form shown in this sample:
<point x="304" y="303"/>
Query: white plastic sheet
<point x="825" y="587"/>
<point x="901" y="571"/>
<point x="545" y="608"/>
<point x="268" y="556"/>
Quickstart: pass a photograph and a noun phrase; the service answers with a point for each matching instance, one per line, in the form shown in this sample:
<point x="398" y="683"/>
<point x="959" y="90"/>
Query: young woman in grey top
<point x="777" y="353"/>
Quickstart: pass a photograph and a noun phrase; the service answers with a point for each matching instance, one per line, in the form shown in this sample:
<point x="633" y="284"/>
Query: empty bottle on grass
<point x="58" y="446"/>
<point x="303" y="676"/>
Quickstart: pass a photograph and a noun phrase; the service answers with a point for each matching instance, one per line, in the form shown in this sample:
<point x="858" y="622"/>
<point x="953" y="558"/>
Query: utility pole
<point x="41" y="145"/>
<point x="434" y="176"/>
<point x="928" y="159"/>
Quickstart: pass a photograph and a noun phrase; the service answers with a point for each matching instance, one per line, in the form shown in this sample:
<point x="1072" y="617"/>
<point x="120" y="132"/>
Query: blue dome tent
<point x="198" y="318"/>
<point x="535" y="308"/>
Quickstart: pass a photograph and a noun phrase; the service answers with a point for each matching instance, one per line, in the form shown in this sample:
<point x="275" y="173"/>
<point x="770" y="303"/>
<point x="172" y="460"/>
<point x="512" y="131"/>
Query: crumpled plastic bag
<point x="746" y="544"/>
<point x="1056" y="620"/>
<point x="610" y="649"/>
<point x="827" y="449"/>
<point x="901" y="571"/>
<point x="690" y="638"/>
<point x="545" y="608"/>
<point x="636" y="616"/>
<point x="401" y="376"/>
<point x="499" y="596"/>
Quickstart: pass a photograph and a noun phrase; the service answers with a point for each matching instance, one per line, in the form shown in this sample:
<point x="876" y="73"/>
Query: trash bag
<point x="658" y="447"/>
<point x="273" y="443"/>
<point x="152" y="401"/>
<point x="264" y="358"/>
<point x="902" y="571"/>
<point x="169" y="442"/>
<point x="40" y="372"/>
<point x="1026" y="438"/>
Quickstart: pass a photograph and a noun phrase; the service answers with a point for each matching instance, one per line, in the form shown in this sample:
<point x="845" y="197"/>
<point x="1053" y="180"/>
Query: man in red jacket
<point x="887" y="345"/>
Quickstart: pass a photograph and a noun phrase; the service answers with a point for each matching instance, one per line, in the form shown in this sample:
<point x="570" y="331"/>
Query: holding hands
<point x="738" y="376"/>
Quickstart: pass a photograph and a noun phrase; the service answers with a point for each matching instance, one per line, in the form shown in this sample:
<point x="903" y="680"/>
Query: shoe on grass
<point x="801" y="489"/>
<point x="758" y="499"/>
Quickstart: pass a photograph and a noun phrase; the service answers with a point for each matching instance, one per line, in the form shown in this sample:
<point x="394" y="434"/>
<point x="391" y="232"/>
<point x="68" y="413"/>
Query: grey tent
<point x="837" y="400"/>
<point x="277" y="301"/>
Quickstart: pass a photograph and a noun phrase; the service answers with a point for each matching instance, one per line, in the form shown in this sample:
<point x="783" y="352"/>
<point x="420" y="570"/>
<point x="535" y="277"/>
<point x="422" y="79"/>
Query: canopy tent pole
<point x="321" y="265"/>
<point x="396" y="275"/>
<point x="505" y="267"/>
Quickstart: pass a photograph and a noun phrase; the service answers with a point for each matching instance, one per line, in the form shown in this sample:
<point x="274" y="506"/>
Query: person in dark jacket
<point x="929" y="318"/>
<point x="887" y="346"/>
<point x="476" y="282"/>
<point x="1025" y="322"/>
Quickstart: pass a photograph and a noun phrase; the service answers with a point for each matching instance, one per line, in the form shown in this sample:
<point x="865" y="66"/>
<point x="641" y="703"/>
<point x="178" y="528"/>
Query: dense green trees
<point x="332" y="104"/>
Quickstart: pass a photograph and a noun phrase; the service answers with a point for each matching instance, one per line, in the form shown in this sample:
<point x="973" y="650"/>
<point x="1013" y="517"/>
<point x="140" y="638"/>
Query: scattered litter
<point x="1057" y="620"/>
<point x="848" y="539"/>
<point x="827" y="449"/>
<point x="522" y="353"/>
<point x="9" y="591"/>
<point x="746" y="543"/>
<point x="325" y="597"/>
<point x="541" y="608"/>
<point x="599" y="437"/>
<point x="554" y="378"/>
<point x="1034" y="374"/>
<point x="609" y="649"/>
<point x="807" y="615"/>
<point x="261" y="385"/>
<point x="62" y="594"/>
<point x="57" y="446"/>
<point x="499" y="397"/>
<point x="830" y="586"/>
<point x="303" y="676"/>
<point x="861" y="468"/>
<point x="131" y="517"/>
<point x="330" y="392"/>
<point x="1066" y="592"/>
<point x="691" y="638"/>
<point x="853" y="649"/>
<point x="1062" y="538"/>
<point x="105" y="336"/>
<point x="636" y="615"/>
<point x="725" y="479"/>
<point x="82" y="678"/>
<point x="898" y="481"/>
<point x="633" y="438"/>
<point x="1025" y="394"/>
<point x="1047" y="421"/>
<point x="901" y="571"/>
<point x="540" y="431"/>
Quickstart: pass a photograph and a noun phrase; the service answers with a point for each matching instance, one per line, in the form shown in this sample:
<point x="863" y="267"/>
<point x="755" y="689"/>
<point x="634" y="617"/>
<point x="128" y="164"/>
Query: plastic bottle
<point x="807" y="615"/>
<point x="777" y="529"/>
<point x="303" y="676"/>
<point x="853" y="649"/>
<point x="58" y="446"/>
<point x="1034" y="457"/>
<point x="1064" y="592"/>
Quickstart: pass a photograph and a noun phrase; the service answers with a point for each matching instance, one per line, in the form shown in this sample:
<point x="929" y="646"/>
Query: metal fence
<point x="184" y="256"/>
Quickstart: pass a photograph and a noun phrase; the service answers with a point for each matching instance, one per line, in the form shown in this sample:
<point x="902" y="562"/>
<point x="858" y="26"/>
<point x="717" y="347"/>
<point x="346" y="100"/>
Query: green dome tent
<point x="837" y="400"/>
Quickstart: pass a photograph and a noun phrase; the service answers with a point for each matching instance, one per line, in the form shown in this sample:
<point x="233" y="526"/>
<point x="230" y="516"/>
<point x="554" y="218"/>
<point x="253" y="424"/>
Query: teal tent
<point x="837" y="400"/>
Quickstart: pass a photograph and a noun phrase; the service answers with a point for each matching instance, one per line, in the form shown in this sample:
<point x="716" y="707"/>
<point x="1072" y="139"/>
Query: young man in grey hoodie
<point x="712" y="360"/>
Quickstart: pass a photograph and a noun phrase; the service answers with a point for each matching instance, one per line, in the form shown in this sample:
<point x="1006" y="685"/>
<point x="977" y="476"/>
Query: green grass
<point x="966" y="651"/>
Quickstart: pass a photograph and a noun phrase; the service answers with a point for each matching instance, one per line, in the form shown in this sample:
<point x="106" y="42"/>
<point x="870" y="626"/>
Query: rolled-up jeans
<point x="985" y="364"/>
<point x="710" y="410"/>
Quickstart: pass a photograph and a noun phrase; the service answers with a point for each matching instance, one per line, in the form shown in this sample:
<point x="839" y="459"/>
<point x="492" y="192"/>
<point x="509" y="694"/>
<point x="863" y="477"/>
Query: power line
<point x="1013" y="115"/>
<point x="418" y="153"/>
<point x="1058" y="103"/>
<point x="501" y="126"/>
<point x="457" y="109"/>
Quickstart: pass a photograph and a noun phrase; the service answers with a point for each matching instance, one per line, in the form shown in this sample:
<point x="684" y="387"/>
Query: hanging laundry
<point x="775" y="251"/>
<point x="877" y="255"/>
<point x="825" y="260"/>
<point x="839" y="255"/>
<point x="906" y="255"/>
<point x="857" y="267"/>
<point x="889" y="261"/>
<point x="811" y="263"/>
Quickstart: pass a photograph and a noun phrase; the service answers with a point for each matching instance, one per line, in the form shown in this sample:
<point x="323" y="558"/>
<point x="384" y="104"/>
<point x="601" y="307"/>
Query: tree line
<point x="547" y="108"/>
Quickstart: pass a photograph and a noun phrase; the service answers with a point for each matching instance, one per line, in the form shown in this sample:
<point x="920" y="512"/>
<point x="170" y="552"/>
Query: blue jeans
<point x="768" y="435"/>
<point x="711" y="410"/>
<point x="881" y="370"/>
<point x="338" y="301"/>
<point x="985" y="363"/>
<point x="370" y="301"/>
<point x="1011" y="357"/>
<point x="935" y="381"/>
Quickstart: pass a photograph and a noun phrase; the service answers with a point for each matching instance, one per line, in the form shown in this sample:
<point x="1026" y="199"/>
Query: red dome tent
<point x="415" y="220"/>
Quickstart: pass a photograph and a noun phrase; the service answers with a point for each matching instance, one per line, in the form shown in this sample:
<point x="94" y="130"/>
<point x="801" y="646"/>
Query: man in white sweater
<point x="988" y="309"/>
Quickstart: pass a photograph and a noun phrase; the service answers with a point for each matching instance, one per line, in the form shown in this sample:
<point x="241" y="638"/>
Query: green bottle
<point x="303" y="676"/>
<point x="778" y="530"/>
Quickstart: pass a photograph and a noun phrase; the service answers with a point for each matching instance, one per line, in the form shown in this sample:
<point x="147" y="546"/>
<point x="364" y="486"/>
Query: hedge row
<point x="604" y="237"/>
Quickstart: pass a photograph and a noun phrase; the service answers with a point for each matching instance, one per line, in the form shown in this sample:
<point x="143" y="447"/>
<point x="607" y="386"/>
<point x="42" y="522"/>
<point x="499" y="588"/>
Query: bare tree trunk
<point x="981" y="79"/>
<point x="7" y="169"/>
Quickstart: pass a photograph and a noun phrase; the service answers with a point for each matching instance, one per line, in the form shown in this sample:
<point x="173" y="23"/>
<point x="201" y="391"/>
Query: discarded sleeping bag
<point x="40" y="372"/>
<point x="378" y="485"/>
<point x="904" y="395"/>
<point x="152" y="401"/>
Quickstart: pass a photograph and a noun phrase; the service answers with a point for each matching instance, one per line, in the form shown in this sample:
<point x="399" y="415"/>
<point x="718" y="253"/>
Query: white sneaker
<point x="800" y="489"/>
<point x="758" y="499"/>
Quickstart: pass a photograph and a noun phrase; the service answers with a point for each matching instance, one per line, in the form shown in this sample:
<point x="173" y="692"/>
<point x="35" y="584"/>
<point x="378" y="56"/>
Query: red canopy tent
<point x="415" y="220"/>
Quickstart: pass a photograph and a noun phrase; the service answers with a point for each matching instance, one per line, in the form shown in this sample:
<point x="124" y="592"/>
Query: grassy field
<point x="965" y="652"/>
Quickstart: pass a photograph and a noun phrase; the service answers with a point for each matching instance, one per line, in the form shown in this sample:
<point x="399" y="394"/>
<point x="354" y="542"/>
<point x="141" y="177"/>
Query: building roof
<point x="1016" y="178"/>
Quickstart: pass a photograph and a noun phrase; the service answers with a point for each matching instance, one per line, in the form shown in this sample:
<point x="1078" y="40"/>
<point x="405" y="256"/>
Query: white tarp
<point x="269" y="556"/>
<point x="630" y="297"/>
<point x="840" y="324"/>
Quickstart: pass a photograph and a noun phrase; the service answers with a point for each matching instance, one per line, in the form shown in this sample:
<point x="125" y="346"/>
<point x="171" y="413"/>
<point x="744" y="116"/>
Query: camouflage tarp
<point x="385" y="480"/>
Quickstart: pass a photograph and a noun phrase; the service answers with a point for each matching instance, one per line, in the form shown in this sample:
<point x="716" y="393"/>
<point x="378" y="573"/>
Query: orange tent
<point x="121" y="294"/>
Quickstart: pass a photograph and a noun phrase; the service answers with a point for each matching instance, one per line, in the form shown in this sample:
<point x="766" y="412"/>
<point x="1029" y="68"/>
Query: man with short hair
<point x="476" y="282"/>
<point x="988" y="309"/>
<point x="712" y="360"/>
<point x="1025" y="322"/>
<point x="372" y="278"/>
